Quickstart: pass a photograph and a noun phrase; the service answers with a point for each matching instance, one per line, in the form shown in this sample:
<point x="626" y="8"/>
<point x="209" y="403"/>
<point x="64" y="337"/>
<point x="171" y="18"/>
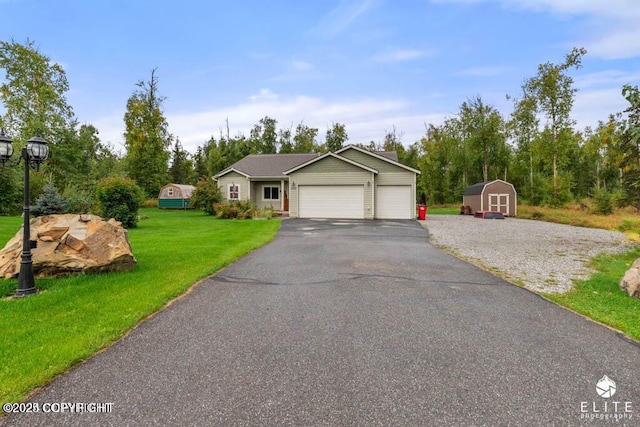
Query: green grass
<point x="443" y="210"/>
<point x="600" y="297"/>
<point x="73" y="317"/>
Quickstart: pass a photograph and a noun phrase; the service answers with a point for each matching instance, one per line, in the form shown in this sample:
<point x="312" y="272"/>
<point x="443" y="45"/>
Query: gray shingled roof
<point x="257" y="165"/>
<point x="475" y="189"/>
<point x="269" y="164"/>
<point x="392" y="155"/>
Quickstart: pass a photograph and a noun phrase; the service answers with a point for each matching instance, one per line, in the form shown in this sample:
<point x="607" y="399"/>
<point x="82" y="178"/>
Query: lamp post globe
<point x="37" y="149"/>
<point x="6" y="148"/>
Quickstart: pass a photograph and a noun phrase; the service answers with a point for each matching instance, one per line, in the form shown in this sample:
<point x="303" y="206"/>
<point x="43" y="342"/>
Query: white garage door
<point x="394" y="202"/>
<point x="331" y="201"/>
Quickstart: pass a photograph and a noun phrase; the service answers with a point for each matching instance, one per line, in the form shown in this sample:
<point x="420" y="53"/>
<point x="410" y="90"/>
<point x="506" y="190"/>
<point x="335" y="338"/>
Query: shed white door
<point x="331" y="201"/>
<point x="394" y="202"/>
<point x="499" y="202"/>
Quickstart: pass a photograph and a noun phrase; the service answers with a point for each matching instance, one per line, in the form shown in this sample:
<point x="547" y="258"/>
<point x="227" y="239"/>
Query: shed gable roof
<point x="477" y="189"/>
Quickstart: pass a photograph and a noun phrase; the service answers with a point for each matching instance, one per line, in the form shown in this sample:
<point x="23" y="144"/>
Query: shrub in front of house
<point x="235" y="209"/>
<point x="266" y="213"/>
<point x="205" y="196"/>
<point x="50" y="202"/>
<point x="80" y="201"/>
<point x="120" y="198"/>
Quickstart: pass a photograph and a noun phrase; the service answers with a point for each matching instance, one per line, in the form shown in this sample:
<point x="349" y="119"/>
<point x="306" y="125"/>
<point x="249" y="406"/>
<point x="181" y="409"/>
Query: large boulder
<point x="71" y="244"/>
<point x="631" y="280"/>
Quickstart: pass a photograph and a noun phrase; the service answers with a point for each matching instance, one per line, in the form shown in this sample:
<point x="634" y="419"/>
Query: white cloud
<point x="338" y="19"/>
<point x="595" y="105"/>
<point x="615" y="78"/>
<point x="366" y="119"/>
<point x="622" y="42"/>
<point x="264" y="95"/>
<point x="624" y="9"/>
<point x="111" y="130"/>
<point x="400" y="55"/>
<point x="617" y="8"/>
<point x="611" y="26"/>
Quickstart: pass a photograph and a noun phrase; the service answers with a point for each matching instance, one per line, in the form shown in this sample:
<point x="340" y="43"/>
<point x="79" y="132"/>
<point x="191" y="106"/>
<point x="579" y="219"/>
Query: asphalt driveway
<point x="353" y="323"/>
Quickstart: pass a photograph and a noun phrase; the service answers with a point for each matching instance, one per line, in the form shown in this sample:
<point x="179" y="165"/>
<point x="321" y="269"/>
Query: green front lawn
<point x="72" y="318"/>
<point x="600" y="297"/>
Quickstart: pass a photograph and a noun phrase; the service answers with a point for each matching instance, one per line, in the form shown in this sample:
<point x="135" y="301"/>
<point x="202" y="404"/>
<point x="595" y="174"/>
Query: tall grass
<point x="626" y="220"/>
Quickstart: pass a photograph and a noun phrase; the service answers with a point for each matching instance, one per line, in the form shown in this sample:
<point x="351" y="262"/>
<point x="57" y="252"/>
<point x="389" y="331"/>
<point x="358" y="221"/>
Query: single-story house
<point x="496" y="195"/>
<point x="350" y="183"/>
<point x="175" y="196"/>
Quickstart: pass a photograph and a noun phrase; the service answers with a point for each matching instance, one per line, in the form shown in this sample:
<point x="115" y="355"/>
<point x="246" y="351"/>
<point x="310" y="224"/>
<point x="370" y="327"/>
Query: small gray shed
<point x="497" y="195"/>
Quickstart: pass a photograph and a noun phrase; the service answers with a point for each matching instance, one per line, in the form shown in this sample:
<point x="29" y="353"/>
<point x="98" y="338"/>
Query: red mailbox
<point x="422" y="212"/>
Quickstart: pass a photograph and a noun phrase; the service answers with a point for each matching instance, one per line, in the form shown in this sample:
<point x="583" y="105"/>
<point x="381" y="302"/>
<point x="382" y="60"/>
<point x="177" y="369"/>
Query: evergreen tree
<point x="181" y="166"/>
<point x="147" y="138"/>
<point x="49" y="202"/>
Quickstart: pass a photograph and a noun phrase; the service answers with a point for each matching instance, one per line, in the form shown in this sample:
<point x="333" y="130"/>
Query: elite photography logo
<point x="605" y="409"/>
<point x="606" y="387"/>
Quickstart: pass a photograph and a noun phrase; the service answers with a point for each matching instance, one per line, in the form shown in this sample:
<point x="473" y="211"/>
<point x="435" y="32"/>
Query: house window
<point x="234" y="192"/>
<point x="170" y="191"/>
<point x="270" y="193"/>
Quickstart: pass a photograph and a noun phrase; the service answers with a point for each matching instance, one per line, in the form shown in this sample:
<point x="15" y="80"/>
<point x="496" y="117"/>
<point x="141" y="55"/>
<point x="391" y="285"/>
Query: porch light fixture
<point x="34" y="154"/>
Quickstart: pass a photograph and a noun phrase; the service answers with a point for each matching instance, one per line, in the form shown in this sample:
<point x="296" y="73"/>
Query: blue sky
<point x="370" y="64"/>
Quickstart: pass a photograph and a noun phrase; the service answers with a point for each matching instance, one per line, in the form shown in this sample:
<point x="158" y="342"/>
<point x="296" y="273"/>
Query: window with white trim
<point x="234" y="192"/>
<point x="270" y="193"/>
<point x="170" y="191"/>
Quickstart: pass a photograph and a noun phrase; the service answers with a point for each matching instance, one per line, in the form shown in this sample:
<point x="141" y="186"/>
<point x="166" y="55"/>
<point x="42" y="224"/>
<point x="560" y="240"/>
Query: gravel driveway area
<point x="541" y="256"/>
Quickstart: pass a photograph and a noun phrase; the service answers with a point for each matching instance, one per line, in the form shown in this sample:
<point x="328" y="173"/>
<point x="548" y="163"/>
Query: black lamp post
<point x="33" y="155"/>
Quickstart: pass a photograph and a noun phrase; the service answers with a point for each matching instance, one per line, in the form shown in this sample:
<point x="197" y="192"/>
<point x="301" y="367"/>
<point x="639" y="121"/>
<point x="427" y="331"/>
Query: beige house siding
<point x="370" y="161"/>
<point x="356" y="177"/>
<point x="237" y="179"/>
<point x="257" y="194"/>
<point x="330" y="164"/>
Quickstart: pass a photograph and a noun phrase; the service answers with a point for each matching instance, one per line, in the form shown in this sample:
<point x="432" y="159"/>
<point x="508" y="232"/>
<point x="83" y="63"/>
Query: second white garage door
<point x="394" y="202"/>
<point x="331" y="201"/>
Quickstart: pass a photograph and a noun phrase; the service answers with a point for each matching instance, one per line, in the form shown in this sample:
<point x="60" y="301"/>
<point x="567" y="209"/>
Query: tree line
<point x="536" y="147"/>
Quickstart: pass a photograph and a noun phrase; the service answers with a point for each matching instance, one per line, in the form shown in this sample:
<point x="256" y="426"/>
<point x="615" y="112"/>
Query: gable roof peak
<point x="379" y="155"/>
